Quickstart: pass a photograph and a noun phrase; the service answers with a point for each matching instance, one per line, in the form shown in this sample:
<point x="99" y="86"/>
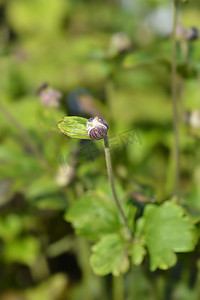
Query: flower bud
<point x="192" y="118"/>
<point x="180" y="32"/>
<point x="97" y="128"/>
<point x="48" y="96"/>
<point x="192" y="34"/>
<point x="119" y="43"/>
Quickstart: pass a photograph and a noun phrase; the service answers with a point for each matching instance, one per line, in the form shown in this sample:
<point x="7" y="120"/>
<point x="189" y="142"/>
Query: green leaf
<point x="166" y="230"/>
<point x="137" y="253"/>
<point x="45" y="194"/>
<point x="46" y="15"/>
<point x="10" y="226"/>
<point x="23" y="250"/>
<point x="135" y="60"/>
<point x="94" y="215"/>
<point x="74" y="127"/>
<point x="110" y="256"/>
<point x="50" y="289"/>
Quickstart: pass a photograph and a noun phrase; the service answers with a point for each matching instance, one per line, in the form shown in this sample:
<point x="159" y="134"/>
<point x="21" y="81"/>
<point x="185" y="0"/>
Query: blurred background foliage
<point x="90" y="57"/>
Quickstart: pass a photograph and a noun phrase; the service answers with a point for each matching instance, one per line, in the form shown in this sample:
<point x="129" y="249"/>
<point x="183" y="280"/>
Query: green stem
<point x="117" y="288"/>
<point x="41" y="273"/>
<point x="174" y="100"/>
<point x="84" y="254"/>
<point x="111" y="180"/>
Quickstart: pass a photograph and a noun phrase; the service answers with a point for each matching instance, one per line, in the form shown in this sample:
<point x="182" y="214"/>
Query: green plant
<point x="98" y="58"/>
<point x="119" y="235"/>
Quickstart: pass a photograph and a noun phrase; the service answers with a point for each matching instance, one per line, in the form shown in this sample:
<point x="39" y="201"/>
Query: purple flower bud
<point x="180" y="32"/>
<point x="97" y="128"/>
<point x="48" y="96"/>
<point x="192" y="34"/>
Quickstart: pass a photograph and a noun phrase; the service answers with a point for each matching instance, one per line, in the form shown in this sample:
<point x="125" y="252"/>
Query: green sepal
<point x="74" y="127"/>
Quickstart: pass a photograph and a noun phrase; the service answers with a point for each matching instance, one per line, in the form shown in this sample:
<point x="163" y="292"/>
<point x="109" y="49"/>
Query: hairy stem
<point x="111" y="180"/>
<point x="174" y="100"/>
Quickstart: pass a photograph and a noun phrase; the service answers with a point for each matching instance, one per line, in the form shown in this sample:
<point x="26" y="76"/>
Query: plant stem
<point x="117" y="288"/>
<point x="174" y="100"/>
<point x="111" y="180"/>
<point x="83" y="255"/>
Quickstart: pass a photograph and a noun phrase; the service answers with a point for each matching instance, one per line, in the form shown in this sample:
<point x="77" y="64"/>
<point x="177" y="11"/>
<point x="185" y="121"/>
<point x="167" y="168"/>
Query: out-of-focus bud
<point x="192" y="118"/>
<point x="65" y="175"/>
<point x="48" y="96"/>
<point x="192" y="34"/>
<point x="119" y="43"/>
<point x="180" y="32"/>
<point x="67" y="169"/>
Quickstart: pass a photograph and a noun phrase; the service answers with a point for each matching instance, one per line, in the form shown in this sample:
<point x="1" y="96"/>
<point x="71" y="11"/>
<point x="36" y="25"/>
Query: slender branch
<point x="111" y="180"/>
<point x="174" y="100"/>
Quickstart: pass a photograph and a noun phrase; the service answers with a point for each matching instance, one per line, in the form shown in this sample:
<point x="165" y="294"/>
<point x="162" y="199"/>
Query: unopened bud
<point x="97" y="128"/>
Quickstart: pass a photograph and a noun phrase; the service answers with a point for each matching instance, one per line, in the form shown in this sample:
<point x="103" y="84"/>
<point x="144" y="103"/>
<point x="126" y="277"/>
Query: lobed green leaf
<point x="166" y="230"/>
<point x="95" y="213"/>
<point x="93" y="216"/>
<point x="110" y="256"/>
